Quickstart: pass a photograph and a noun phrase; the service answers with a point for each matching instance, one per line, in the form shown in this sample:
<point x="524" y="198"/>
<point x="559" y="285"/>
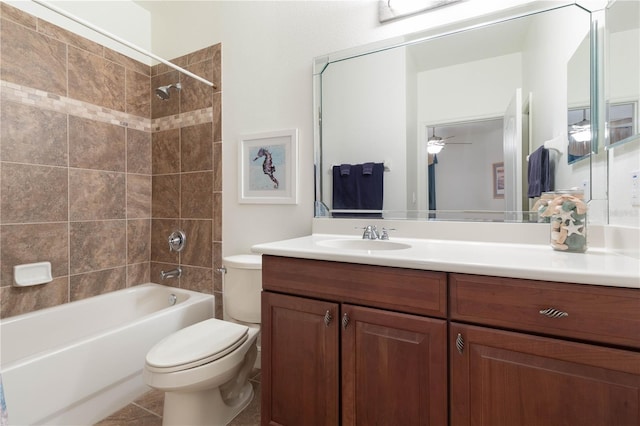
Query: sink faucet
<point x="174" y="273"/>
<point x="370" y="233"/>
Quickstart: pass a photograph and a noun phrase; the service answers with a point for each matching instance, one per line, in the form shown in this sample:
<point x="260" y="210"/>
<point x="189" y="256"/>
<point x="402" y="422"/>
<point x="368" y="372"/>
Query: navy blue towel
<point x="539" y="172"/>
<point x="358" y="190"/>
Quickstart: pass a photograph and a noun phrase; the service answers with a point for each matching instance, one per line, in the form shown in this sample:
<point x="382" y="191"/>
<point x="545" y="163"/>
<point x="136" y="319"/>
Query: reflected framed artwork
<point x="498" y="180"/>
<point x="268" y="168"/>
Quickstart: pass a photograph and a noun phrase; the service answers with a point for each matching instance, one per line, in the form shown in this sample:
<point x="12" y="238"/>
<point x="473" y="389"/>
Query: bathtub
<point x="76" y="363"/>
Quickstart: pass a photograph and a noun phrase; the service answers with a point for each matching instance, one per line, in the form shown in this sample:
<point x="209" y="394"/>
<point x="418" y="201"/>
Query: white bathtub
<point x="76" y="363"/>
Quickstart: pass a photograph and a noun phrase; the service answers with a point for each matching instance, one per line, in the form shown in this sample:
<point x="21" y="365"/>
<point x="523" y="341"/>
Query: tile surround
<point x="95" y="145"/>
<point x="98" y="282"/>
<point x="95" y="194"/>
<point x="196" y="148"/>
<point x="33" y="193"/>
<point x="33" y="242"/>
<point x="138" y="152"/>
<point x="196" y="191"/>
<point x="165" y="196"/>
<point x="32" y="59"/>
<point x="96" y="245"/>
<point x="165" y="151"/>
<point x="138" y="196"/>
<point x="95" y="80"/>
<point x="80" y="173"/>
<point x="33" y="135"/>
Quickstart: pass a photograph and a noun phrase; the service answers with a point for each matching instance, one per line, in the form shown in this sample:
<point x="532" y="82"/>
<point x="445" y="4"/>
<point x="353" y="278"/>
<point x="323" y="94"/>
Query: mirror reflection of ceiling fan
<point x="436" y="143"/>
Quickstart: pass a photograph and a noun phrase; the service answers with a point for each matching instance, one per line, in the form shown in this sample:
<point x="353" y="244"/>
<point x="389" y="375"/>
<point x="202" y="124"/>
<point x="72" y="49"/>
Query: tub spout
<point x="174" y="273"/>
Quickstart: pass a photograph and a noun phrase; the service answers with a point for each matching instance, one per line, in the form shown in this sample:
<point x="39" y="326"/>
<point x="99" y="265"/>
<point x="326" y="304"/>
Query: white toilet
<point x="204" y="368"/>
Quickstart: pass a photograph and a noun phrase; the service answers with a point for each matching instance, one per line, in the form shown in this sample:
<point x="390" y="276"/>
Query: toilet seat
<point x="196" y="345"/>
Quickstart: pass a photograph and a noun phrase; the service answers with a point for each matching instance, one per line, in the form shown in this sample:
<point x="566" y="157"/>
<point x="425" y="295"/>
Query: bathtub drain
<point x="172" y="299"/>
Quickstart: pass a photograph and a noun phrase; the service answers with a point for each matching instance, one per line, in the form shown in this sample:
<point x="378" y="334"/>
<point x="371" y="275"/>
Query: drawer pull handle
<point x="345" y="320"/>
<point x="459" y="343"/>
<point x="553" y="313"/>
<point x="327" y="318"/>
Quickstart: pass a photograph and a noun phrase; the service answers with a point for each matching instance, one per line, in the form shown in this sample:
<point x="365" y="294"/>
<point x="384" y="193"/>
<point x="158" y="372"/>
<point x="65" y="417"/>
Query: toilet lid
<point x="196" y="345"/>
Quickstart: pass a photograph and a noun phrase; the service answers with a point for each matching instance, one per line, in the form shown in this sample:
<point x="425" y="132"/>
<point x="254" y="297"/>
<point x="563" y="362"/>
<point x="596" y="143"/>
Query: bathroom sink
<point x="351" y="244"/>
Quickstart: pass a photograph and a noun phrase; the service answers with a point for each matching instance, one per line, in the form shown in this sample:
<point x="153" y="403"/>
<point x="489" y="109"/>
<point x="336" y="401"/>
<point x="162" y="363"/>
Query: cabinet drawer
<point x="595" y="313"/>
<point x="398" y="289"/>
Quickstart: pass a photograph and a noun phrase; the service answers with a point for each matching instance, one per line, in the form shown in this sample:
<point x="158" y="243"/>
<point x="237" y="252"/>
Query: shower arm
<point x="122" y="41"/>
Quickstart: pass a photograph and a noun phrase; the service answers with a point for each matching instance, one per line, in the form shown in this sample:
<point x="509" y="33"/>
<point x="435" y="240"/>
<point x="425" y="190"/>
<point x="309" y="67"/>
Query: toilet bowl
<point x="204" y="369"/>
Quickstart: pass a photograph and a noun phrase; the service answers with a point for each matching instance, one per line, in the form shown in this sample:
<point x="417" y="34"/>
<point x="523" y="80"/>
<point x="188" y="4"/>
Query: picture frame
<point x="498" y="180"/>
<point x="268" y="168"/>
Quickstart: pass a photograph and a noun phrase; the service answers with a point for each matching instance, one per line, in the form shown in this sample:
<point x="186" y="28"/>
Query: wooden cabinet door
<point x="394" y="369"/>
<point x="299" y="361"/>
<point x="501" y="378"/>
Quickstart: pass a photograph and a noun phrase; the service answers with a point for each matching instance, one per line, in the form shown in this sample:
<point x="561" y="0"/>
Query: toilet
<point x="204" y="368"/>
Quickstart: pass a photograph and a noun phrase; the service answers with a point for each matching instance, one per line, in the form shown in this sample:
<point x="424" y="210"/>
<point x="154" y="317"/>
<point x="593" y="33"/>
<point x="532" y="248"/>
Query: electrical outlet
<point x="635" y="188"/>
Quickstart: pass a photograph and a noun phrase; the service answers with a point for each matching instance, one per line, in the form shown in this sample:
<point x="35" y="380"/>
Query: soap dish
<point x="32" y="274"/>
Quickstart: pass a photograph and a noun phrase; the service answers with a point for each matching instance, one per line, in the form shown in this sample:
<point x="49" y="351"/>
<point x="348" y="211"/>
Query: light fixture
<point x="434" y="143"/>
<point x="434" y="147"/>
<point x="581" y="131"/>
<point x="394" y="9"/>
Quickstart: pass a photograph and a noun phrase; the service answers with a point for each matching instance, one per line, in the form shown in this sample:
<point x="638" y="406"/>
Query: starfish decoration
<point x="574" y="228"/>
<point x="567" y="215"/>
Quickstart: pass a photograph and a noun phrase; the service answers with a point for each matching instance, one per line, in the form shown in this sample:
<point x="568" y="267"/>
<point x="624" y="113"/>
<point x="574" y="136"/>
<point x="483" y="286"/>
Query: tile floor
<point x="147" y="410"/>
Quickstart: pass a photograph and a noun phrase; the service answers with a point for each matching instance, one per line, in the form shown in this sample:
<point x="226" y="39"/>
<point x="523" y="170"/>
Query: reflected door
<point x="513" y="156"/>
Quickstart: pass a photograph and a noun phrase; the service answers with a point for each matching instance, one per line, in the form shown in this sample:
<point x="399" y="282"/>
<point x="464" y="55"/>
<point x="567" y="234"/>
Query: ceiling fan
<point x="436" y="143"/>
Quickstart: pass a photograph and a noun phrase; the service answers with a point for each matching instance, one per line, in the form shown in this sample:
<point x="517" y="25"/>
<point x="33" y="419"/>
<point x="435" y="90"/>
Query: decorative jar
<point x="568" y="218"/>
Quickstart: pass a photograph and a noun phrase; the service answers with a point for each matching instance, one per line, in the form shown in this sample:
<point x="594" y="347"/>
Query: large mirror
<point x="623" y="71"/>
<point x="450" y="119"/>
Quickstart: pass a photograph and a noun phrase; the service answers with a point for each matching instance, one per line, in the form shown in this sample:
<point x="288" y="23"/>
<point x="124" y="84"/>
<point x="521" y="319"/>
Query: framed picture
<point x="498" y="180"/>
<point x="268" y="168"/>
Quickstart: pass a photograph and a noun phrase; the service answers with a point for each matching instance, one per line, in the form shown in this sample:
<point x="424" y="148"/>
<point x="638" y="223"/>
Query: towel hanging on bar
<point x="361" y="189"/>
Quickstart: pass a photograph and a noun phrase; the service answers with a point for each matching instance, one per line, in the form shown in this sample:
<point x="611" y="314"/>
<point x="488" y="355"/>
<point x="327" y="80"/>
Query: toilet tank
<point x="242" y="287"/>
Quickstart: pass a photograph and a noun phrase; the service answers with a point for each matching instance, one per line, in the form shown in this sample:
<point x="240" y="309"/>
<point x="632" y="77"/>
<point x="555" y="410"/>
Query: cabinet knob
<point x="345" y="320"/>
<point x="459" y="343"/>
<point x="328" y="318"/>
<point x="553" y="313"/>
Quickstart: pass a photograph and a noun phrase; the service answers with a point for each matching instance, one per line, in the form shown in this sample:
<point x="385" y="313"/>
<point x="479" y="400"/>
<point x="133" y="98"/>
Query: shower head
<point x="163" y="91"/>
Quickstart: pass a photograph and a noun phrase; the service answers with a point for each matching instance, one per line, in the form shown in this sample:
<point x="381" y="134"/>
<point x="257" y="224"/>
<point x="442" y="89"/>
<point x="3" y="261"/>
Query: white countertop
<point x="530" y="261"/>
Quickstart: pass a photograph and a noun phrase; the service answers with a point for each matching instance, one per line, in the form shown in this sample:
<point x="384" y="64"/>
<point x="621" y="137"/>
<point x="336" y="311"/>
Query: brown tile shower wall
<point x="187" y="173"/>
<point x="77" y="133"/>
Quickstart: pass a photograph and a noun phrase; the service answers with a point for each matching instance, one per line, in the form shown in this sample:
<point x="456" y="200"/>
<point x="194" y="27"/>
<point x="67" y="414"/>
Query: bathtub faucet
<point x="174" y="273"/>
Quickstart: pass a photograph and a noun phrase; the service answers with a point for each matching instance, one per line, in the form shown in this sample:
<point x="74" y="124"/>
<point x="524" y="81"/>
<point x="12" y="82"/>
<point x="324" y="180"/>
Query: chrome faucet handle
<point x="177" y="240"/>
<point x="367" y="232"/>
<point x="370" y="233"/>
<point x="385" y="234"/>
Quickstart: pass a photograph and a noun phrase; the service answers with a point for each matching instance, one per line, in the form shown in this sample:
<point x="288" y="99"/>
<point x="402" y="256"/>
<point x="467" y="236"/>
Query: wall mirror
<point x="622" y="71"/>
<point x="487" y="94"/>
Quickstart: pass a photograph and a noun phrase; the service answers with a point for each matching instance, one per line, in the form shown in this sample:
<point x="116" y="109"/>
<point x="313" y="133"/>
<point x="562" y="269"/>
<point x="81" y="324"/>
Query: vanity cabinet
<point x="352" y="344"/>
<point x="300" y="364"/>
<point x="358" y="344"/>
<point x="565" y="354"/>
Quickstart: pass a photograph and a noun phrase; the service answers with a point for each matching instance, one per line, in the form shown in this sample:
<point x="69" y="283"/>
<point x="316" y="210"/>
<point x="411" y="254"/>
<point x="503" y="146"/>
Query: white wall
<point x="624" y="85"/>
<point x="457" y="163"/>
<point x="468" y="91"/>
<point x="354" y="100"/>
<point x="546" y="78"/>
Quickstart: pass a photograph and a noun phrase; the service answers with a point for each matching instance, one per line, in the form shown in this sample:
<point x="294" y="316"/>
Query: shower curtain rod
<point x="120" y="40"/>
